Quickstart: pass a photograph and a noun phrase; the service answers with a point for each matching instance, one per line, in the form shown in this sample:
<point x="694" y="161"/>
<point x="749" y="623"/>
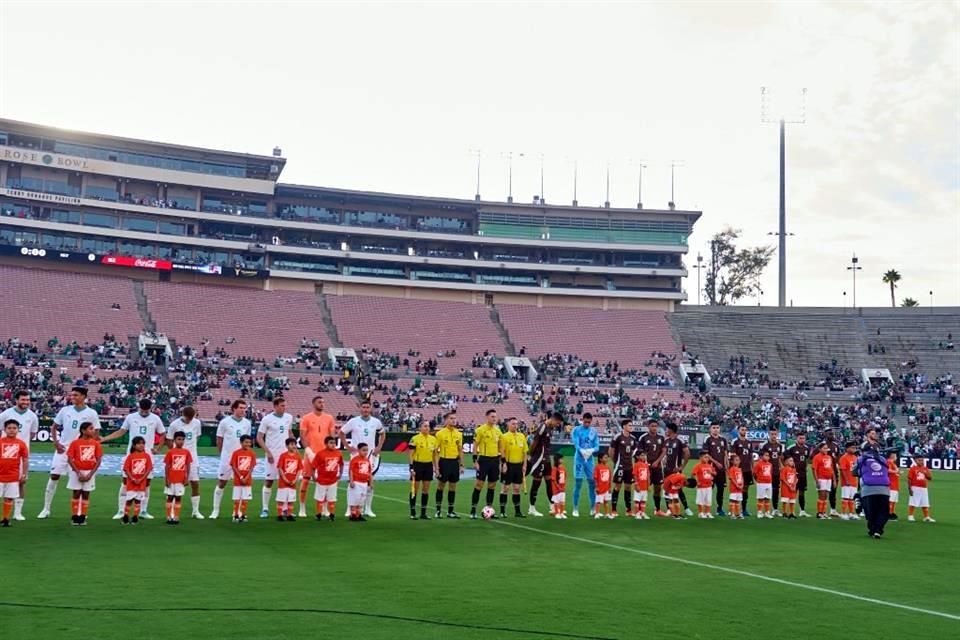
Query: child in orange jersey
<point x="893" y="469"/>
<point x="13" y="467"/>
<point x="558" y="486"/>
<point x="137" y="467"/>
<point x="672" y="485"/>
<point x="704" y="472"/>
<point x="848" y="483"/>
<point x="602" y="479"/>
<point x="289" y="470"/>
<point x="360" y="473"/>
<point x="327" y="468"/>
<point x="917" y="479"/>
<point x="735" y="478"/>
<point x="176" y="465"/>
<point x="763" y="476"/>
<point x="242" y="463"/>
<point x="84" y="456"/>
<point x="822" y="464"/>
<point x="789" y="479"/>
<point x="641" y="486"/>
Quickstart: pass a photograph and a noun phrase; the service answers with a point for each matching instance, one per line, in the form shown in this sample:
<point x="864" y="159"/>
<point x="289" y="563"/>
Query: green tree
<point x="909" y="302"/>
<point x="892" y="277"/>
<point x="733" y="273"/>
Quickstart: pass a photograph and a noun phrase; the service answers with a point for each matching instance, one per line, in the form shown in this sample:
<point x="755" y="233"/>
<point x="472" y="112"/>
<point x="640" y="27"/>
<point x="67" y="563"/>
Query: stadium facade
<point x="103" y="203"/>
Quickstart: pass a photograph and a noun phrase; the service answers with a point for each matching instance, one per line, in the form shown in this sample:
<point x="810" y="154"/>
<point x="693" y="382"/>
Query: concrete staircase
<point x="142" y="307"/>
<point x="508" y="346"/>
<point x="328" y="324"/>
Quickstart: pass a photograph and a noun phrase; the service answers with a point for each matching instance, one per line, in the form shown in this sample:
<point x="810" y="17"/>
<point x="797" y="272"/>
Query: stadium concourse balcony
<point x="38" y="305"/>
<point x="432" y="327"/>
<point x="244" y="322"/>
<point x="627" y="337"/>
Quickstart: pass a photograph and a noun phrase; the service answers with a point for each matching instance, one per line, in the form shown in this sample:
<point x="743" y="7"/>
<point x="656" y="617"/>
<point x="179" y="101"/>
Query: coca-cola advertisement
<point x="138" y="263"/>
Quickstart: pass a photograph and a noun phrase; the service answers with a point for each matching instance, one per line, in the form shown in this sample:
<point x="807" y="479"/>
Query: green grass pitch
<point x="393" y="578"/>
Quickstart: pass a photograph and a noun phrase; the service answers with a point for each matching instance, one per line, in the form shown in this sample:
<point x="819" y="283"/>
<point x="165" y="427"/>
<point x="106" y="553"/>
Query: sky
<point x="400" y="97"/>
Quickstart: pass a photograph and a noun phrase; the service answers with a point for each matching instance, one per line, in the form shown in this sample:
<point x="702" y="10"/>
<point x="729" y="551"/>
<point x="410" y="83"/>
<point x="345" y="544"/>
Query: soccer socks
<point x="121" y="499"/>
<point x="439" y="498"/>
<point x="656" y="501"/>
<point x="516" y="503"/>
<point x="451" y="499"/>
<point x="145" y="501"/>
<point x="503" y="502"/>
<point x="475" y="499"/>
<point x="265" y="497"/>
<point x="616" y="499"/>
<point x="195" y="503"/>
<point x="489" y="497"/>
<point x="893" y="507"/>
<point x="627" y="504"/>
<point x="75" y="507"/>
<point x="802" y="500"/>
<point x="413" y="503"/>
<point x="7" y="508"/>
<point x="368" y="500"/>
<point x="534" y="490"/>
<point x="18" y="507"/>
<point x="926" y="511"/>
<point x="424" y="501"/>
<point x="48" y="494"/>
<point x="720" y="489"/>
<point x="170" y="509"/>
<point x="592" y="487"/>
<point x="304" y="485"/>
<point x="217" y="498"/>
<point x="683" y="499"/>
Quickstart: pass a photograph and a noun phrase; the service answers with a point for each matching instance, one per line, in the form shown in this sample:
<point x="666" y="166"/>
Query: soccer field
<point x="393" y="578"/>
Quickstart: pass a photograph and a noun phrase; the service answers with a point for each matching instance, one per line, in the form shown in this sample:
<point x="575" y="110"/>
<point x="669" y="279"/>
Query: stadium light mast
<point x="476" y="196"/>
<point x="574" y="183"/>
<point x="771" y="112"/>
<point x="699" y="267"/>
<point x="854" y="267"/>
<point x="606" y="203"/>
<point x="640" y="186"/>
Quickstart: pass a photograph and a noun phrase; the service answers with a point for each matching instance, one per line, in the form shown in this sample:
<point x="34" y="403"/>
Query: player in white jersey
<point x="368" y="430"/>
<point x="66" y="429"/>
<point x="147" y="425"/>
<point x="272" y="436"/>
<point x="191" y="428"/>
<point x="29" y="427"/>
<point x="229" y="432"/>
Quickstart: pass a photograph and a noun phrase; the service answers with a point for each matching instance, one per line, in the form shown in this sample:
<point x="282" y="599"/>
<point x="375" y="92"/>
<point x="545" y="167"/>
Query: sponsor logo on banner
<point x="40" y="196"/>
<point x="212" y="269"/>
<point x="138" y="263"/>
<point x="934" y="464"/>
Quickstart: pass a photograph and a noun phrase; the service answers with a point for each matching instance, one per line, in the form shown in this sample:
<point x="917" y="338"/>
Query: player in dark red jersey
<point x="718" y="449"/>
<point x="652" y="444"/>
<point x="538" y="464"/>
<point x="623" y="448"/>
<point x="800" y="454"/>
<point x="774" y="447"/>
<point x="675" y="456"/>
<point x="743" y="449"/>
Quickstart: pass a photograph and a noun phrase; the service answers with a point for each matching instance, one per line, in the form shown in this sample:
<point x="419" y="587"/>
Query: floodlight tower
<point x="771" y="112"/>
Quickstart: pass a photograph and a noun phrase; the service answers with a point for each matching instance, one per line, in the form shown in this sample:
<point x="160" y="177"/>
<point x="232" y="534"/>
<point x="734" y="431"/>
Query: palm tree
<point x="892" y="277"/>
<point x="909" y="302"/>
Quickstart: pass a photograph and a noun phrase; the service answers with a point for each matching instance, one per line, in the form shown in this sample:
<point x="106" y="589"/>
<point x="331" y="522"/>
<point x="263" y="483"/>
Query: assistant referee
<point x="486" y="459"/>
<point x="514" y="466"/>
<point x="422" y="451"/>
<point x="448" y="463"/>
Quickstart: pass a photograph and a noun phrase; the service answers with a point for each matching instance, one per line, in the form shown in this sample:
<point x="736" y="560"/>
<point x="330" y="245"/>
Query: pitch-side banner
<point x="935" y="464"/>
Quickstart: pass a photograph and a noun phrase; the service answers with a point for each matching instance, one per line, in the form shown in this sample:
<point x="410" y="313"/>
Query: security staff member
<point x="514" y="466"/>
<point x="486" y="459"/>
<point x="448" y="462"/>
<point x="422" y="452"/>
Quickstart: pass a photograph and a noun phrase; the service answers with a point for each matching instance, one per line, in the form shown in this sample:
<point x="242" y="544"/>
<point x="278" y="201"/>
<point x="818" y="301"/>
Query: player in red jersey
<point x="178" y="467"/>
<point x="137" y="467"/>
<point x="823" y="472"/>
<point x="13" y="467"/>
<point x="242" y="462"/>
<point x="83" y="457"/>
<point x="848" y="483"/>
<point x="672" y="485"/>
<point x="558" y="487"/>
<point x="327" y="468"/>
<point x="893" y="469"/>
<point x="918" y="478"/>
<point x="641" y="485"/>
<point x="289" y="470"/>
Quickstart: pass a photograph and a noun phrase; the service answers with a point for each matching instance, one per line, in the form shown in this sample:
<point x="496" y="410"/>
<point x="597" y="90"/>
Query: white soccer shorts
<point x="134" y="495"/>
<point x="704" y="497"/>
<point x="788" y="500"/>
<point x="271" y="467"/>
<point x="672" y="496"/>
<point x="325" y="492"/>
<point x="920" y="497"/>
<point x="736" y="497"/>
<point x="603" y="498"/>
<point x="764" y="491"/>
<point x="824" y="485"/>
<point x="559" y="498"/>
<point x="176" y="490"/>
<point x="194" y="475"/>
<point x="357" y="494"/>
<point x="847" y="493"/>
<point x="286" y="495"/>
<point x="242" y="493"/>
<point x="640" y="496"/>
<point x="59" y="465"/>
<point x="894" y="496"/>
<point x="224" y="472"/>
<point x="10" y="490"/>
<point x="74" y="484"/>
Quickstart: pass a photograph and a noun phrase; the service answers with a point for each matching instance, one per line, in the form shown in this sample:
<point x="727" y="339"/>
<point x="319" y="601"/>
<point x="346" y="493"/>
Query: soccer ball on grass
<point x="487" y="513"/>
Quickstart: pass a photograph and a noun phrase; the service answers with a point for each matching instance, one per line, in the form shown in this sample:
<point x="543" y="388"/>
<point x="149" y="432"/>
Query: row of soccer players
<point x="272" y="434"/>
